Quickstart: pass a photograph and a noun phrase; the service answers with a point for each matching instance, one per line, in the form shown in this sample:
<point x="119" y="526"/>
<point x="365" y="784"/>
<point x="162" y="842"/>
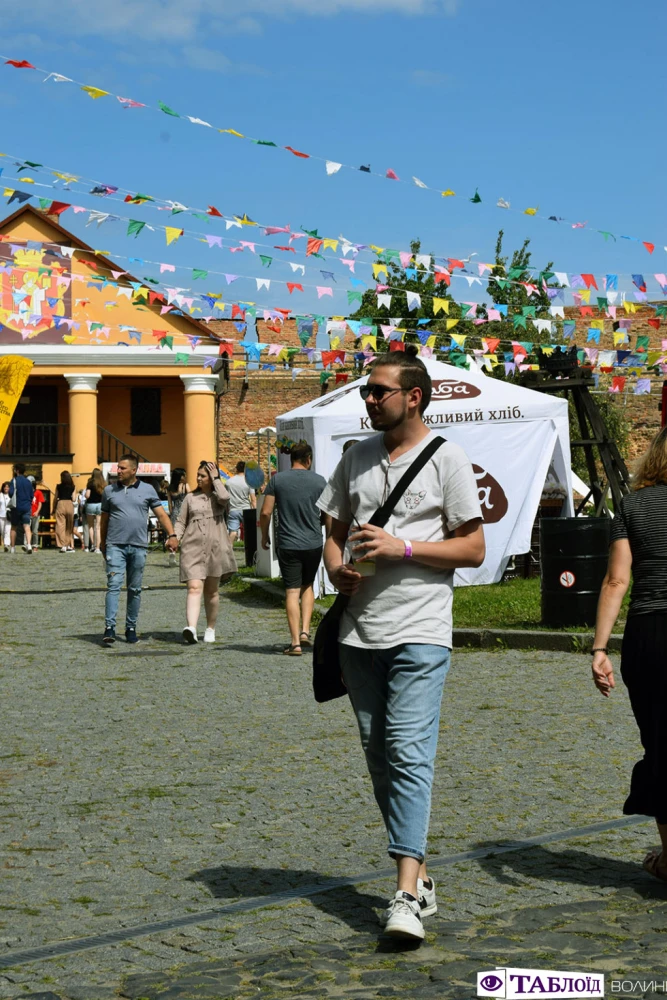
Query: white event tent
<point x="512" y="436"/>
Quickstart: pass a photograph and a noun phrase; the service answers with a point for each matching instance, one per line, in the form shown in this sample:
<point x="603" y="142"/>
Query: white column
<point x="199" y="383"/>
<point x="82" y="381"/>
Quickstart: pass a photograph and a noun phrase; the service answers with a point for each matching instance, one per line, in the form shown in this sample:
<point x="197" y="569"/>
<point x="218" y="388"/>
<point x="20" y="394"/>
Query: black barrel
<point x="573" y="558"/>
<point x="250" y="535"/>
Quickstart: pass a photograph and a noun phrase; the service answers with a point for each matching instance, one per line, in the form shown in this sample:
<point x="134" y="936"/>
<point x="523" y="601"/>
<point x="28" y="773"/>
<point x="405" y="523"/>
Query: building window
<point x="146" y="412"/>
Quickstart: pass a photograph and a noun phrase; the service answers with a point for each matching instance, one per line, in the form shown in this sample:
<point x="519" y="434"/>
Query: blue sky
<point x="550" y="106"/>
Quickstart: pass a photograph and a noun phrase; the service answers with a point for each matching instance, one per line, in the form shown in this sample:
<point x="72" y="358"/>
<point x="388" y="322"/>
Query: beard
<point x="386" y="422"/>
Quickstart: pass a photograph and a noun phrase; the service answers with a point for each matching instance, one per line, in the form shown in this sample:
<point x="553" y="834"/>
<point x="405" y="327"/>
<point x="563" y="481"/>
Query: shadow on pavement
<point x="571" y="866"/>
<point x="142" y="648"/>
<point x="345" y="903"/>
<point x="172" y="638"/>
<point x="245" y="600"/>
<point x="267" y="649"/>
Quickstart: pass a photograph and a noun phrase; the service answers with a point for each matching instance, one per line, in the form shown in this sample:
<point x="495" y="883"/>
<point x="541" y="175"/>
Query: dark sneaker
<point x="131" y="635"/>
<point x="109" y="636"/>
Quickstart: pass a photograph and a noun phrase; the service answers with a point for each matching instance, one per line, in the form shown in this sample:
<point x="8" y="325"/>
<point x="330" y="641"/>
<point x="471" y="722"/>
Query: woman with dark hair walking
<point x="176" y="493"/>
<point x="94" y="489"/>
<point x="206" y="552"/>
<point x="639" y="550"/>
<point x="63" y="509"/>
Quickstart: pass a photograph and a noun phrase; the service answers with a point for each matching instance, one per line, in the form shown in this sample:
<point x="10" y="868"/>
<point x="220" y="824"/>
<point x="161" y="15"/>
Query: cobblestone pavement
<point x="152" y="783"/>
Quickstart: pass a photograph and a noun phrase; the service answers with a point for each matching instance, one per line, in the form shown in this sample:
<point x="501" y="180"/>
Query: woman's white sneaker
<point x="190" y="635"/>
<point x="404" y="918"/>
<point x="427" y="901"/>
<point x="209" y="635"/>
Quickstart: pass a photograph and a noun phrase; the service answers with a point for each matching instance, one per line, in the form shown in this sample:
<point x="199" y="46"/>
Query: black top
<point x="642" y="519"/>
<point x="64" y="492"/>
<point x="94" y="497"/>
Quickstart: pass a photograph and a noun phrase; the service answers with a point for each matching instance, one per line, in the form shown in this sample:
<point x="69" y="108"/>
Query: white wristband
<point x="408" y="549"/>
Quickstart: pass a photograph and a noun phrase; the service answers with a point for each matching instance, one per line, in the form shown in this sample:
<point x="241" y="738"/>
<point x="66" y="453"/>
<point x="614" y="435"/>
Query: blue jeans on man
<point x="396" y="695"/>
<point x="122" y="560"/>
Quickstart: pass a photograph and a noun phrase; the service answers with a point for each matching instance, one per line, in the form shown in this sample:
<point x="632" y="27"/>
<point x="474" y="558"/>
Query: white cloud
<point x="173" y="21"/>
<point x="212" y="61"/>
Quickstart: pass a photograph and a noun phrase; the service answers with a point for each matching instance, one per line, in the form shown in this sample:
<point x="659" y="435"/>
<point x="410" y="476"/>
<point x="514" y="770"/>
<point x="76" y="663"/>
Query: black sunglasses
<point x="377" y="391"/>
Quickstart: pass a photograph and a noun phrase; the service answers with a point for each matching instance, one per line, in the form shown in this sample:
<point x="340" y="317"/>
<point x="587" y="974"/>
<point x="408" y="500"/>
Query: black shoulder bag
<point x="327" y="680"/>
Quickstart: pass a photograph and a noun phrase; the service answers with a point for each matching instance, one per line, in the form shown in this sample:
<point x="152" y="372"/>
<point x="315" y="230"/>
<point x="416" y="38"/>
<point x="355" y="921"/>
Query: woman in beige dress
<point x="206" y="552"/>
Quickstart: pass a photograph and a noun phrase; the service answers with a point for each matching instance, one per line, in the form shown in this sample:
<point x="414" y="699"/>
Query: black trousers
<point x="644" y="673"/>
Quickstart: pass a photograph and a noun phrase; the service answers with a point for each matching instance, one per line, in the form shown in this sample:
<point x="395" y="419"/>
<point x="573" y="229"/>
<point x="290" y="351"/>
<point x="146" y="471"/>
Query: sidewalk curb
<point x="482" y="638"/>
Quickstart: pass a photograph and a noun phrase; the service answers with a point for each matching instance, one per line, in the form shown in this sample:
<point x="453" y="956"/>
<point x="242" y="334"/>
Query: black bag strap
<point x="383" y="513"/>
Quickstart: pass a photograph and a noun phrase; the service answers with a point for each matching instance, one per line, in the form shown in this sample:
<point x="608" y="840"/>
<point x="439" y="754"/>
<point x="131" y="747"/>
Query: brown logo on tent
<point x="492" y="497"/>
<point x="447" y="388"/>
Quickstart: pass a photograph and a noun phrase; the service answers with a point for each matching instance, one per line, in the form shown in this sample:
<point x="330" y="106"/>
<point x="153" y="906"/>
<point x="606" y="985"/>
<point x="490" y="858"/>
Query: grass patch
<point x="514" y="604"/>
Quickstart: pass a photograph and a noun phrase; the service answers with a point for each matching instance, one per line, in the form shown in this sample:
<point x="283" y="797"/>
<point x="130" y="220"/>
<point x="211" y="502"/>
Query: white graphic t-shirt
<point x="405" y="601"/>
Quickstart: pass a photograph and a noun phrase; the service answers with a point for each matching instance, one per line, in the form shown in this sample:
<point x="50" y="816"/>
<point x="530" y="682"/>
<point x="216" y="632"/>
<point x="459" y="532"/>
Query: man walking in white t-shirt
<point x="241" y="498"/>
<point x="396" y="633"/>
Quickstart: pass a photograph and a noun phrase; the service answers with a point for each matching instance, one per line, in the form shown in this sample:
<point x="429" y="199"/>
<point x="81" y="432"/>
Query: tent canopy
<point x="512" y="436"/>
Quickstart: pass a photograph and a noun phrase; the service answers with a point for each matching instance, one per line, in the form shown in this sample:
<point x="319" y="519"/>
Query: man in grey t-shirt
<point x="241" y="498"/>
<point x="124" y="543"/>
<point x="395" y="636"/>
<point x="295" y="494"/>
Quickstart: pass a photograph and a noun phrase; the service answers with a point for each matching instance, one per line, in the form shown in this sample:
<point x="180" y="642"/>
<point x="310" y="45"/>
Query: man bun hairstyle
<point x="412" y="372"/>
<point x="301" y="453"/>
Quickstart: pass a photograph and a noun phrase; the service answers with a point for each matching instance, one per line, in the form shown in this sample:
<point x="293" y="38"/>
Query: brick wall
<point x="270" y="332"/>
<point x="271" y="393"/>
<point x="641" y="411"/>
<point x="248" y="407"/>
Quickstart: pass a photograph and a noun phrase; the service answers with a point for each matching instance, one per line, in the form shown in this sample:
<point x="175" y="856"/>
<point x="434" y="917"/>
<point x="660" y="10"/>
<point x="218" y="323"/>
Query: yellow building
<point x="106" y="376"/>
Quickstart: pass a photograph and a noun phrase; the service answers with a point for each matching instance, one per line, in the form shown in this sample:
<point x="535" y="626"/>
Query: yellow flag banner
<point x="14" y="373"/>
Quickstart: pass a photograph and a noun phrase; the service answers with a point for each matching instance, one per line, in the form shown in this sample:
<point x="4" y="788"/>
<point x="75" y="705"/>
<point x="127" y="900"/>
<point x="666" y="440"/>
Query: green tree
<point x="503" y="287"/>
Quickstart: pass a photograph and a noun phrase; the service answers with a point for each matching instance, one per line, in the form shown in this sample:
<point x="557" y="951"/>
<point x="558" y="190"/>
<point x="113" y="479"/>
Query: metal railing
<point x="31" y="440"/>
<point x="49" y="440"/>
<point x="110" y="448"/>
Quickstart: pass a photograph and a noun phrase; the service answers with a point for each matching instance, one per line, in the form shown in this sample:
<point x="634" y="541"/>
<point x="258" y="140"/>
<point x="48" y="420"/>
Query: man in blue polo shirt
<point x="20" y="490"/>
<point x="124" y="543"/>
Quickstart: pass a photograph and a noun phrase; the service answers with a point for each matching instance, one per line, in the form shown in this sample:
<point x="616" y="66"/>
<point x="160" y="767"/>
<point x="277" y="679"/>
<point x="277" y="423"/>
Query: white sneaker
<point x="404" y="918"/>
<point x="190" y="635"/>
<point x="209" y="635"/>
<point x="427" y="902"/>
<point x="64" y="549"/>
<point x="98" y="552"/>
<point x="12" y="551"/>
<point x="28" y="549"/>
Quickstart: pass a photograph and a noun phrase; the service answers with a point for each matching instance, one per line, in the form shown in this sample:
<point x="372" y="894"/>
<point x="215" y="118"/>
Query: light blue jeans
<point x="122" y="559"/>
<point x="396" y="695"/>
